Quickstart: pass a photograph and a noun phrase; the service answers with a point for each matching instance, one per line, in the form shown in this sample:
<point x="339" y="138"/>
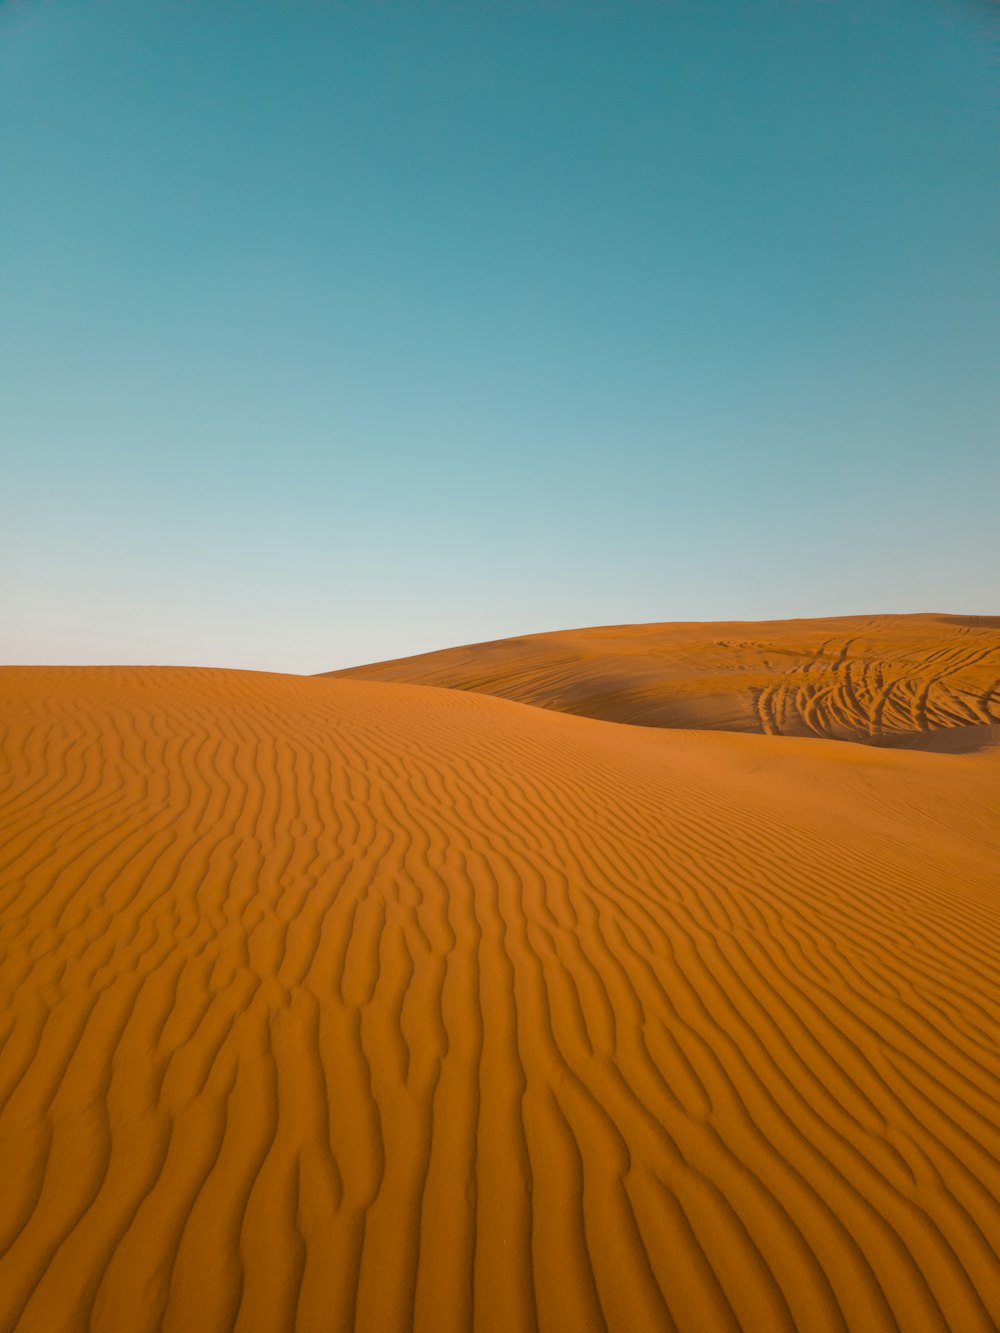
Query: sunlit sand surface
<point x="889" y="680"/>
<point x="329" y="1004"/>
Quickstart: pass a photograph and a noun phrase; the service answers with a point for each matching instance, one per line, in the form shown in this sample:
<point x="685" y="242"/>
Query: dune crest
<point x="328" y="1004"/>
<point x="887" y="680"/>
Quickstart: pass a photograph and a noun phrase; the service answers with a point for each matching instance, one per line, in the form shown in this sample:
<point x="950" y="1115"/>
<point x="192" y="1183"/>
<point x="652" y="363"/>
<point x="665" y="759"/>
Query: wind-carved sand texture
<point x="887" y="680"/>
<point x="332" y="1005"/>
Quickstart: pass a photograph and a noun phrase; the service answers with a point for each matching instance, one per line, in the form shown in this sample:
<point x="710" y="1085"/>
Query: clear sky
<point x="337" y="331"/>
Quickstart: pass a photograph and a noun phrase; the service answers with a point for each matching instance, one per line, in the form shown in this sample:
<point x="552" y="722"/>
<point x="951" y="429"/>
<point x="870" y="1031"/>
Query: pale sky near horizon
<point x="332" y="332"/>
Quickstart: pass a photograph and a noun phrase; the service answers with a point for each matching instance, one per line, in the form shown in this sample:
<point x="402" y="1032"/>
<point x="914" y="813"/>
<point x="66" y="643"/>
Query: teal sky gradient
<point x="334" y="332"/>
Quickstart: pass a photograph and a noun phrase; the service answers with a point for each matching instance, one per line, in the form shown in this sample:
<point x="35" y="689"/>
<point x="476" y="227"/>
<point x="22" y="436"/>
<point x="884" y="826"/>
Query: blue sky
<point x="333" y="332"/>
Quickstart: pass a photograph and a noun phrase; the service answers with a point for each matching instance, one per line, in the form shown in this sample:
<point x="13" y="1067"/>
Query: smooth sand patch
<point x="887" y="680"/>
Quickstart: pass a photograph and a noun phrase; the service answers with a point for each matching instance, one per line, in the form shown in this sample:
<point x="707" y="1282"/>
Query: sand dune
<point x="328" y="1004"/>
<point x="884" y="679"/>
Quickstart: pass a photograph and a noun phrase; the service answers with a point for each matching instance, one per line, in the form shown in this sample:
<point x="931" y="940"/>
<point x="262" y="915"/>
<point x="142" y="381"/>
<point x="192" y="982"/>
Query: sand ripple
<point x="331" y="1005"/>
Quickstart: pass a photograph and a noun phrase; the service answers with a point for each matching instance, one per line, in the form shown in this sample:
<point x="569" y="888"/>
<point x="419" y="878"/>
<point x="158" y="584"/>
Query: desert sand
<point x="882" y="679"/>
<point x="332" y="1004"/>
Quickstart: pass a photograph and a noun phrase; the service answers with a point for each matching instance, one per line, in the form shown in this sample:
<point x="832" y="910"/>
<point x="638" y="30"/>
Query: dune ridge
<point x="330" y="1004"/>
<point x="887" y="680"/>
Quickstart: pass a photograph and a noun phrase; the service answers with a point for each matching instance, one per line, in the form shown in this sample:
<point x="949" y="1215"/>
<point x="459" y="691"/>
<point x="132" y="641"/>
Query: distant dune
<point x="330" y="1004"/>
<point x="888" y="680"/>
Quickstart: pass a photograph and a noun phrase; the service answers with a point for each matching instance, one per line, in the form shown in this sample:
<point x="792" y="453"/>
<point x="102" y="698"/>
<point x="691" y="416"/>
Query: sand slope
<point x="887" y="679"/>
<point x="327" y="1004"/>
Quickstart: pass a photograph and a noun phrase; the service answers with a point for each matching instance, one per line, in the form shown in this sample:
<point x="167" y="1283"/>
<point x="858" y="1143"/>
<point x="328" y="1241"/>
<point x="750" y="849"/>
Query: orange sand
<point x="331" y="1005"/>
<point x="887" y="679"/>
